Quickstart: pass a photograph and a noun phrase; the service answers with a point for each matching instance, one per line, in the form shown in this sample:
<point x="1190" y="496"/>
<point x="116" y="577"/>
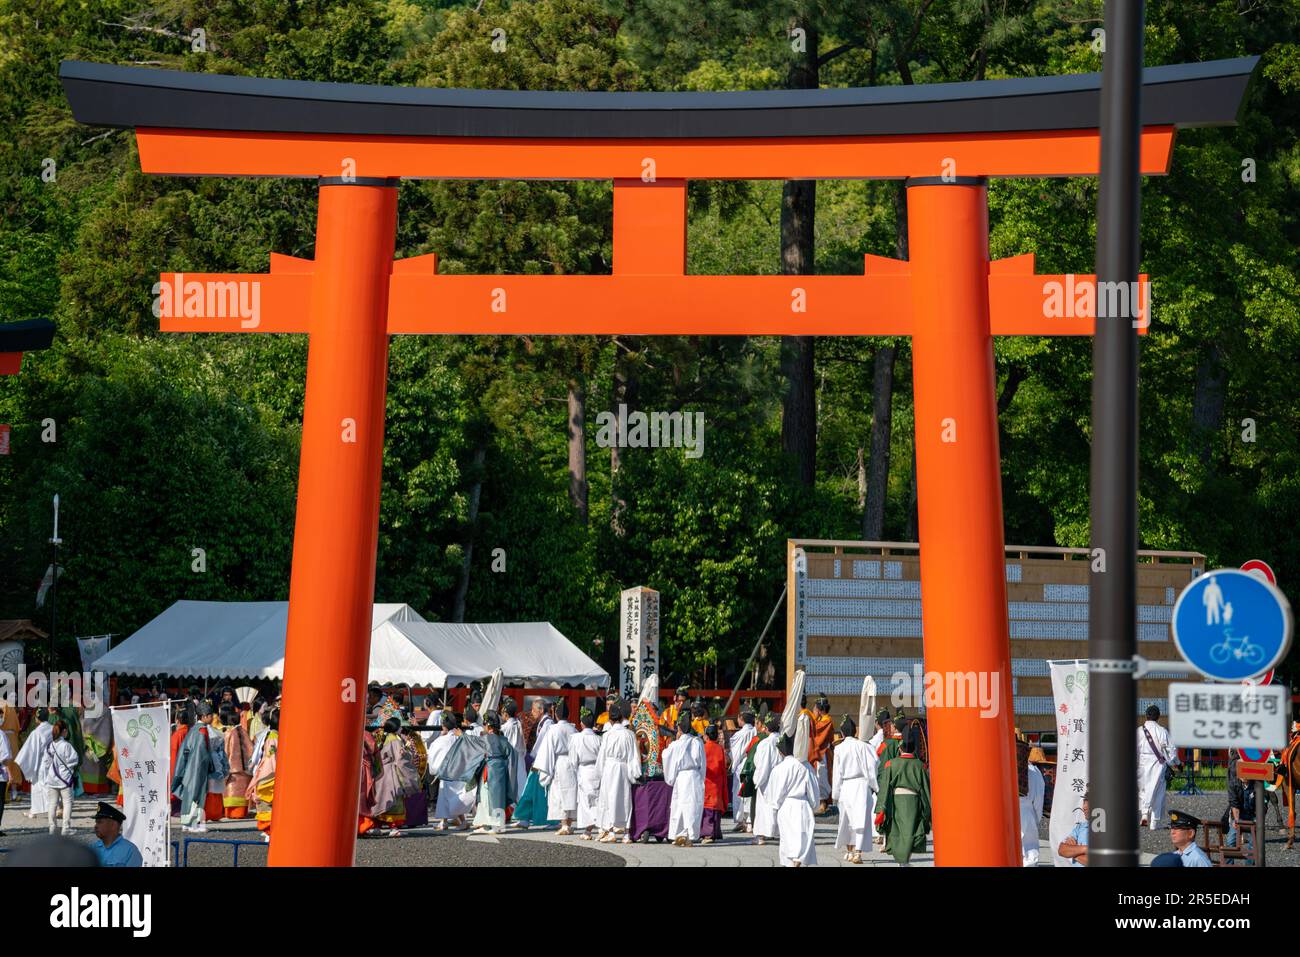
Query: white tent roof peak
<point x="217" y="639"/>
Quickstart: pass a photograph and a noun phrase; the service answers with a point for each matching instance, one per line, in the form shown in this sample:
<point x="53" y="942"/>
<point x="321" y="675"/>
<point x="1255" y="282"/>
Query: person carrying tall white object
<point x="738" y="746"/>
<point x="766" y="757"/>
<point x="793" y="793"/>
<point x="853" y="787"/>
<point x="618" y="765"/>
<point x="1155" y="754"/>
<point x="684" y="772"/>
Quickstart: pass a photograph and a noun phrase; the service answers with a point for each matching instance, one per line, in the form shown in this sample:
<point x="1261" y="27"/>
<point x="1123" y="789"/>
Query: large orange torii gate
<point x="358" y="141"/>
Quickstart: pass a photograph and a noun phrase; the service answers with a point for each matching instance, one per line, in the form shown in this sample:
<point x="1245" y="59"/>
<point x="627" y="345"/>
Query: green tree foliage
<point x="170" y="443"/>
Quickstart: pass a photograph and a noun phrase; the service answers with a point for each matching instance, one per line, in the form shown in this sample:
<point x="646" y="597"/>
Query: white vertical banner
<point x="638" y="645"/>
<point x="92" y="649"/>
<point x="142" y="741"/>
<point x="1070" y="700"/>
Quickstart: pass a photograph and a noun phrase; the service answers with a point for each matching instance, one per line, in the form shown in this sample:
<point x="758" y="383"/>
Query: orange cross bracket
<point x="647" y="294"/>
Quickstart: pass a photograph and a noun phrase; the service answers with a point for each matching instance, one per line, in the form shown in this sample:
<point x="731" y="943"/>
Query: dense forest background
<point x="164" y="444"/>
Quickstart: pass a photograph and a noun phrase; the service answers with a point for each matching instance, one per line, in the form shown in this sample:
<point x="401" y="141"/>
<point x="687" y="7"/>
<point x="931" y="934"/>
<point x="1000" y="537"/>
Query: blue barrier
<point x="235" y="845"/>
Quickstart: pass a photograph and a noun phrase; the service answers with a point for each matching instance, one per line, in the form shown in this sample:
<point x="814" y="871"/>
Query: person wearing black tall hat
<point x="905" y="801"/>
<point x="196" y="761"/>
<point x="669" y="717"/>
<point x="791" y="788"/>
<point x="110" y="847"/>
<point x="556" y="771"/>
<point x="619" y="766"/>
<point x="766" y="757"/>
<point x="684" y="766"/>
<point x="853" y="787"/>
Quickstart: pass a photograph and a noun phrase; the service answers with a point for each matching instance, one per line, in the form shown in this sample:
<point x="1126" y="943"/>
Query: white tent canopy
<point x="216" y="639"/>
<point x="219" y="639"/>
<point x="527" y="652"/>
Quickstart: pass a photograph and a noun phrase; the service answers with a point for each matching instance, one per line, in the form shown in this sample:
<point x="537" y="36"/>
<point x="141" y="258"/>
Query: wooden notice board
<point x="855" y="609"/>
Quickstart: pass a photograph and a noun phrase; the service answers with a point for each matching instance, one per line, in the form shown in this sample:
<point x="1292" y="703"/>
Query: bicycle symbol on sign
<point x="1239" y="648"/>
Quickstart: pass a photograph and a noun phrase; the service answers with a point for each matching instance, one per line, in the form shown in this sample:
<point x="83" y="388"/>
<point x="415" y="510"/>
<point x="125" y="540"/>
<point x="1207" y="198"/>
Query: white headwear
<point x="867" y="709"/>
<point x="803" y="737"/>
<point x="492" y="697"/>
<point x="650" y="690"/>
<point x="790" y="715"/>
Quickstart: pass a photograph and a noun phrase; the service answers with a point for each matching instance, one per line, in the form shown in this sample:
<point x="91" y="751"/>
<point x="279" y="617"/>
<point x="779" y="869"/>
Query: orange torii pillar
<point x="332" y="586"/>
<point x="959" y="520"/>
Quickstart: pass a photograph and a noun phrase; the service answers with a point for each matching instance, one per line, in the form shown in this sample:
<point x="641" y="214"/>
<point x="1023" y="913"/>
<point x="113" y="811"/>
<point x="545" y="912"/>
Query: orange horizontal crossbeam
<point x="421" y="302"/>
<point x="1043" y="153"/>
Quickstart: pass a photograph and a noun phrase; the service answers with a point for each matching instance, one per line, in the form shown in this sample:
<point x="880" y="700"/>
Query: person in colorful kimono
<point x="397" y="780"/>
<point x="261" y="788"/>
<point x="715" y="786"/>
<point x="822" y="733"/>
<point x="371" y="768"/>
<point x="904" y="816"/>
<point x="196" y="765"/>
<point x="496" y="779"/>
<point x="533" y="804"/>
<point x="239" y="752"/>
<point x="669" y="717"/>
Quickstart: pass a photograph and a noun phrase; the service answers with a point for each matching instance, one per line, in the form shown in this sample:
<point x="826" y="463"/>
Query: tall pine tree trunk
<point x="475" y="492"/>
<point x="578" y="448"/>
<point x="798" y="211"/>
<point x="877" y="484"/>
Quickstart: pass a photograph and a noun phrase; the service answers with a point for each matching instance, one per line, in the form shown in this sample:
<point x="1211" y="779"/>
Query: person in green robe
<point x="905" y="801"/>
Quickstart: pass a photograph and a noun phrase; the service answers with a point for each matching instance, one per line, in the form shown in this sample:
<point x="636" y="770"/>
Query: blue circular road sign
<point x="1230" y="625"/>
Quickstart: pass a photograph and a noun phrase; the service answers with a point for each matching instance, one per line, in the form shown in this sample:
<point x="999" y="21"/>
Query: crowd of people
<point x="500" y="770"/>
<point x="621" y="772"/>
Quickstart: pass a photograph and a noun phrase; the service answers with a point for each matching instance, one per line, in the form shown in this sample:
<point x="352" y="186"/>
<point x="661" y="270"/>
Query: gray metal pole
<point x="1112" y="601"/>
<point x="1261" y="826"/>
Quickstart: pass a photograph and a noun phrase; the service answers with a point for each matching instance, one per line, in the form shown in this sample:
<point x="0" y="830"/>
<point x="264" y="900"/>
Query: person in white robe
<point x="793" y="794"/>
<point x="512" y="729"/>
<point x="1031" y="810"/>
<point x="1155" y="752"/>
<point x="555" y="770"/>
<point x="853" y="789"/>
<point x="434" y="721"/>
<point x="59" y="775"/>
<point x="683" y="762"/>
<point x="584" y="749"/>
<point x="739" y="744"/>
<point x="766" y="757"/>
<point x="31" y="759"/>
<point x="618" y="765"/>
<point x="455" y="803"/>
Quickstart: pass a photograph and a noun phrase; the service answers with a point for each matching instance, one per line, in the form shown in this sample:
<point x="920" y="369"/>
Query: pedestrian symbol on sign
<point x="1232" y="625"/>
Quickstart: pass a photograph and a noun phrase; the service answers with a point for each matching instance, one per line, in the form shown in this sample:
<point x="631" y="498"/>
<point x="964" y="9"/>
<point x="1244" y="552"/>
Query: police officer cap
<point x="107" y="811"/>
<point x="1181" y="819"/>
